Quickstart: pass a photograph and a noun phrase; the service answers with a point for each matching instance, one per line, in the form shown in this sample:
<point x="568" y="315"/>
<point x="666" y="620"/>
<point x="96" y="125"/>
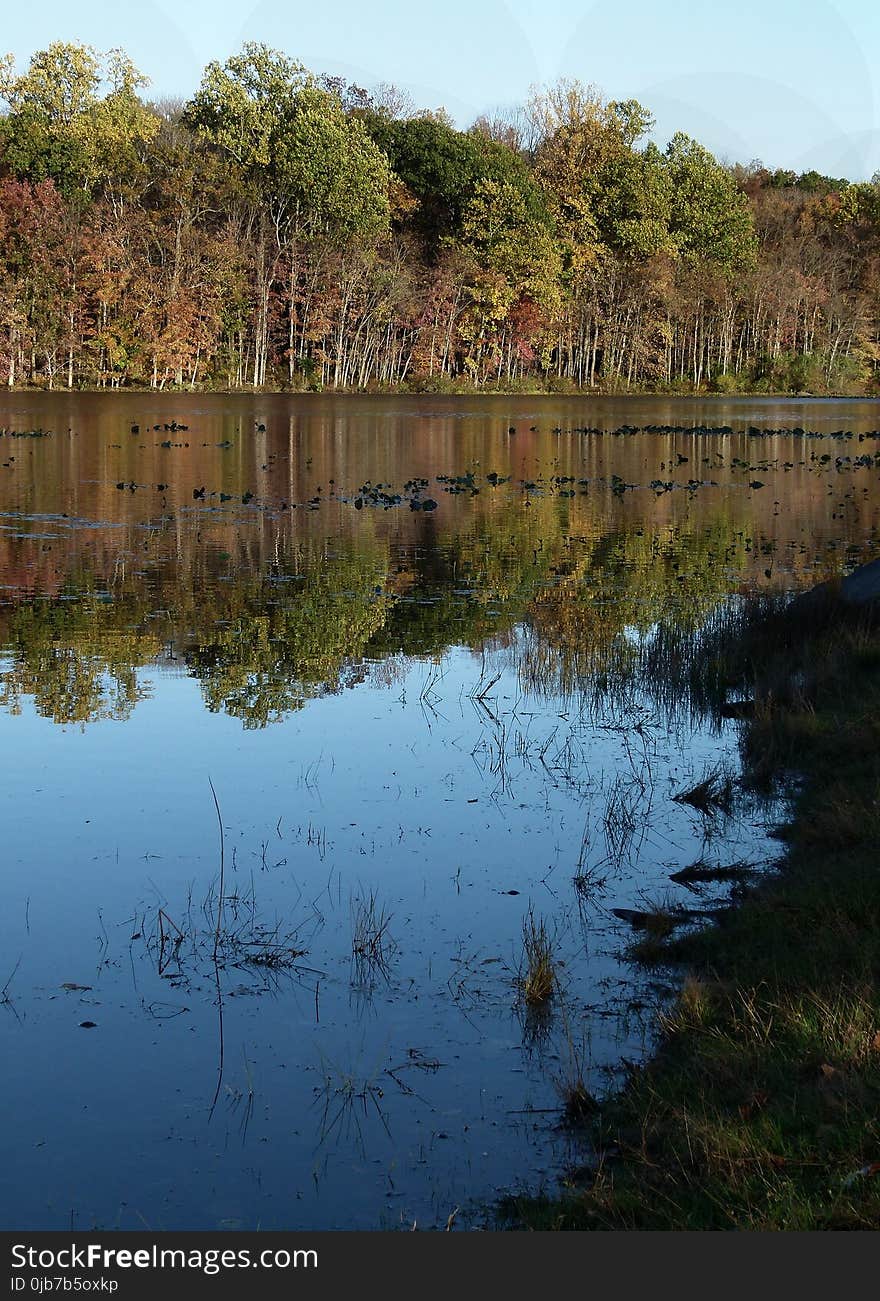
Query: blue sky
<point x="793" y="82"/>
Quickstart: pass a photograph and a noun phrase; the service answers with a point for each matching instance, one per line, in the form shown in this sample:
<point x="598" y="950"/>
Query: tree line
<point x="286" y="230"/>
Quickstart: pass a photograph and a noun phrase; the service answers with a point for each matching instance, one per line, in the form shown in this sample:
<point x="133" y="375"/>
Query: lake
<point x="318" y="716"/>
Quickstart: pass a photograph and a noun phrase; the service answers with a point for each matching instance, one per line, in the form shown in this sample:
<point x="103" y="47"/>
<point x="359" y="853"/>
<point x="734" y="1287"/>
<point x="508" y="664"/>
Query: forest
<point x="283" y="230"/>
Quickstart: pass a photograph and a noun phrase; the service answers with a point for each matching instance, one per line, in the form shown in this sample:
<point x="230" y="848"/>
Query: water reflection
<point x="423" y="727"/>
<point x="320" y="620"/>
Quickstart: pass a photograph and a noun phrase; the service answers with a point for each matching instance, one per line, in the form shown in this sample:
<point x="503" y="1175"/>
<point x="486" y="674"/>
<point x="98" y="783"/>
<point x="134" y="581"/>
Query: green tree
<point x="74" y="117"/>
<point x="516" y="259"/>
<point x="312" y="174"/>
<point x="442" y="167"/>
<point x="711" y="220"/>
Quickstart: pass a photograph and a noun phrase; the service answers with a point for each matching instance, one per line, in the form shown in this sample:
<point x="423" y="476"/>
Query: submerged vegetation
<point x="285" y="230"/>
<point x="372" y="946"/>
<point x="760" y="1109"/>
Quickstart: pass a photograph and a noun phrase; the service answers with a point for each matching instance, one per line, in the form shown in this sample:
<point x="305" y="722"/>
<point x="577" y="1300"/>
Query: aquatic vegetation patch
<point x="538" y="973"/>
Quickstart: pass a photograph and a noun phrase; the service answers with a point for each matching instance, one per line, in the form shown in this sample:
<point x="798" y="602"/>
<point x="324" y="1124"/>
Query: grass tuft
<point x="537" y="979"/>
<point x="372" y="946"/>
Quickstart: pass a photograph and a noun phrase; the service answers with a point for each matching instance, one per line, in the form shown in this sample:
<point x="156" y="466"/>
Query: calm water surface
<point x="410" y="643"/>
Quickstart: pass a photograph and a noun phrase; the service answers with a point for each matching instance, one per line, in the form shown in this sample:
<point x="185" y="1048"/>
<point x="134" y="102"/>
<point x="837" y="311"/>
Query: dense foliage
<point x="282" y="229"/>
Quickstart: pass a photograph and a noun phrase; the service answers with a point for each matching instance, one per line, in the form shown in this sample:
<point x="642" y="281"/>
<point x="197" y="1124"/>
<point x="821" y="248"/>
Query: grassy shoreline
<point x="761" y="1108"/>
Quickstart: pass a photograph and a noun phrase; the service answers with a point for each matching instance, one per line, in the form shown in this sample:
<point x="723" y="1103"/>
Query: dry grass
<point x="537" y="978"/>
<point x="578" y="1103"/>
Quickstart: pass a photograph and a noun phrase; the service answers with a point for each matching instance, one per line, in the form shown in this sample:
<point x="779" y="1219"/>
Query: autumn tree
<point x="311" y="173"/>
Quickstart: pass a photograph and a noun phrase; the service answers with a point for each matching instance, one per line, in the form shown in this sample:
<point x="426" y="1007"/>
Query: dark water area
<point x="420" y="649"/>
